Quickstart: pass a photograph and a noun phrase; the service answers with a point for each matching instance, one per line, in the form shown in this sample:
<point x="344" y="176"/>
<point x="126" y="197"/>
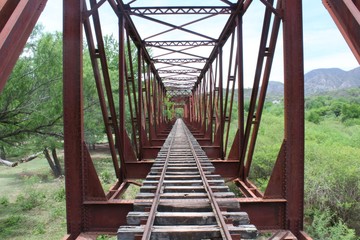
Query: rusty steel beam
<point x="294" y="114"/>
<point x="125" y="147"/>
<point x="179" y="43"/>
<point x="181" y="60"/>
<point x="131" y="93"/>
<point x="205" y="112"/>
<point x="73" y="115"/>
<point x="94" y="9"/>
<point x="254" y="93"/>
<point x="269" y="52"/>
<point x="225" y="34"/>
<point x="172" y="50"/>
<point x="134" y="34"/>
<point x="178" y="85"/>
<point x="178" y="71"/>
<point x="221" y="103"/>
<point x="230" y="81"/>
<point x="180" y="79"/>
<point x="239" y="136"/>
<point x="346" y="15"/>
<point x="18" y="18"/>
<point x="107" y="216"/>
<point x="97" y="76"/>
<point x="179" y="10"/>
<point x="7" y="8"/>
<point x="181" y="28"/>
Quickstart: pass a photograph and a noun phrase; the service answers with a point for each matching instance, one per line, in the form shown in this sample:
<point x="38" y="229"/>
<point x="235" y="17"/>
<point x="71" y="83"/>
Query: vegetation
<point x="33" y="204"/>
<point x="32" y="199"/>
<point x="332" y="173"/>
<point x="31" y="103"/>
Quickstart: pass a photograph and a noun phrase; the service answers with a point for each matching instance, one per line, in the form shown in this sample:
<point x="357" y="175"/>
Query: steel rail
<point x="216" y="209"/>
<point x="150" y="222"/>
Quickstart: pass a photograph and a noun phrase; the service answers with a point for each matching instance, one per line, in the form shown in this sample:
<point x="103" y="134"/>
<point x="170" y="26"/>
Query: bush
<point x="4" y="201"/>
<point x="39" y="229"/>
<point x="60" y="195"/>
<point x="324" y="226"/>
<point x="313" y="117"/>
<point x="30" y="200"/>
<point x="332" y="180"/>
<point x="350" y="111"/>
<point x="9" y="225"/>
<point x="105" y="177"/>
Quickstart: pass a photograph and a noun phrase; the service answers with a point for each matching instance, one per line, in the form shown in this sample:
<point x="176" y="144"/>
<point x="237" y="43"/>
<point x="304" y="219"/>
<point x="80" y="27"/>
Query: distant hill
<point x="326" y="80"/>
<point x="322" y="80"/>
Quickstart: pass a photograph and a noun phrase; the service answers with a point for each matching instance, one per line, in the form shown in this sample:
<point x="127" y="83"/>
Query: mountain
<point x="322" y="80"/>
<point x="331" y="79"/>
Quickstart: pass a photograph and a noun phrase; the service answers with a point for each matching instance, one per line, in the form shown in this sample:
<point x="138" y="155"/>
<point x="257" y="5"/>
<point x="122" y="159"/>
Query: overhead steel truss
<point x="197" y="67"/>
<point x="179" y="10"/>
<point x="207" y="97"/>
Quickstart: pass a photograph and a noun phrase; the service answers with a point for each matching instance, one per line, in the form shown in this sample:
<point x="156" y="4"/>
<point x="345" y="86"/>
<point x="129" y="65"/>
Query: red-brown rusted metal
<point x="18" y="18"/>
<point x="199" y="82"/>
<point x="267" y="52"/>
<point x="346" y="15"/>
<point x="73" y="117"/>
<point x="294" y="114"/>
<point x="94" y="54"/>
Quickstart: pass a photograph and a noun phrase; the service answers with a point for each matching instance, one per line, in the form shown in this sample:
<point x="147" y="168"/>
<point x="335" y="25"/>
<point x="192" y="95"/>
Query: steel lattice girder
<point x="179" y="10"/>
<point x="205" y="107"/>
<point x="179" y="43"/>
<point x="87" y="206"/>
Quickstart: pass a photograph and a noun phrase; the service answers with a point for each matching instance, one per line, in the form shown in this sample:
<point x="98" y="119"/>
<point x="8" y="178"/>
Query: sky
<point x="324" y="46"/>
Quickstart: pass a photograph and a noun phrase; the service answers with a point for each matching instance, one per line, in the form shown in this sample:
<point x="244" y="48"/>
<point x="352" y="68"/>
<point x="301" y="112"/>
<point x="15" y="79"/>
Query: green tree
<point x="350" y="111"/>
<point x="313" y="117"/>
<point x="324" y="226"/>
<point x="31" y="103"/>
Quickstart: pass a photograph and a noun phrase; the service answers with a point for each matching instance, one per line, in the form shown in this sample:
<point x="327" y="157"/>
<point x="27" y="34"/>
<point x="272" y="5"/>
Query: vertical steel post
<point x="241" y="111"/>
<point x="73" y="115"/>
<point x="294" y="113"/>
<point x="131" y="88"/>
<point x="221" y="113"/>
<point x="140" y="105"/>
<point x="122" y="73"/>
<point x="203" y="100"/>
<point x="211" y="105"/>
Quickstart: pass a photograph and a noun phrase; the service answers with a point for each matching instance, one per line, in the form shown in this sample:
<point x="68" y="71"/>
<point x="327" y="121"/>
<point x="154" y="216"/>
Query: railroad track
<point x="182" y="198"/>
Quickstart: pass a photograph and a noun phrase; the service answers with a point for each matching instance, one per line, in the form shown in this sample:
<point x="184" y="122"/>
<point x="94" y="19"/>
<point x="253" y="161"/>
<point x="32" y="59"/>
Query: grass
<point x="130" y="192"/>
<point x="12" y="180"/>
<point x="32" y="202"/>
<point x="104" y="166"/>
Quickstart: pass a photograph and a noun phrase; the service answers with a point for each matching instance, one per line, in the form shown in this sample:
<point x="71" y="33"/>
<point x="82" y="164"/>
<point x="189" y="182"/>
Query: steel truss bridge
<point x="190" y="53"/>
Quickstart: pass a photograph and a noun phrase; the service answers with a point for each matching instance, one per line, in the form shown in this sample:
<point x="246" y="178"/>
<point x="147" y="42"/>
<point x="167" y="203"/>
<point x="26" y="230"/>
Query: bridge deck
<point x="182" y="198"/>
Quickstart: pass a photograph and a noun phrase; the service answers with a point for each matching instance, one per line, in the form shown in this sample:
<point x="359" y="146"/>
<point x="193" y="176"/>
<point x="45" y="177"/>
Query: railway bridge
<point x="180" y="59"/>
